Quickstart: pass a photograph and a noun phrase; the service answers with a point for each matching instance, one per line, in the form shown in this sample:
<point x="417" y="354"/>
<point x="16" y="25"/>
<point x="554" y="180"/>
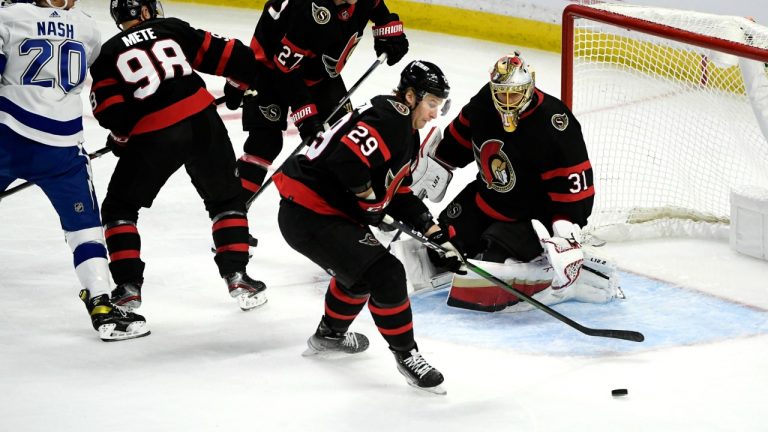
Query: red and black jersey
<point x="311" y="40"/>
<point x="541" y="170"/>
<point x="144" y="79"/>
<point x="375" y="147"/>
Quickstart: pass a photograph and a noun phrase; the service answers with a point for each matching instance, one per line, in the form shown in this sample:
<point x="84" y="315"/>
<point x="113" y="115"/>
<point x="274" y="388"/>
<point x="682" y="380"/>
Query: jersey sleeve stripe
<point x="225" y="57"/>
<point x="38" y="122"/>
<point x="572" y="197"/>
<point x="355" y="149"/>
<point x="564" y="172"/>
<point x="202" y="50"/>
<point x="463" y="120"/>
<point x="382" y="145"/>
<point x="108" y="103"/>
<point x="460" y="139"/>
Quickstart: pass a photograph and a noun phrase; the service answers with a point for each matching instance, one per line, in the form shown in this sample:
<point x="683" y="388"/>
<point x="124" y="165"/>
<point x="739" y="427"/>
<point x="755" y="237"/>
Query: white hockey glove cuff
<point x="564" y="255"/>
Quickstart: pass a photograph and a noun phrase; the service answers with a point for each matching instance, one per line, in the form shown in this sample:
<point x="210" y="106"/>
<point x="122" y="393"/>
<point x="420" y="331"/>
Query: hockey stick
<point x="616" y="334"/>
<point x="381" y="59"/>
<point x="20" y="187"/>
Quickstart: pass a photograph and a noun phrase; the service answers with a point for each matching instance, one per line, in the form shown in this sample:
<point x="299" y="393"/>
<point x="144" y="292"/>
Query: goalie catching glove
<point x="563" y="250"/>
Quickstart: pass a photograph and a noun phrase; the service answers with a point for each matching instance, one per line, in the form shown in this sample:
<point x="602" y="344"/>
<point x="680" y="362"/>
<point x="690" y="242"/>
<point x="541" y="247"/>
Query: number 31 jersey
<point x="145" y="80"/>
<point x="44" y="58"/>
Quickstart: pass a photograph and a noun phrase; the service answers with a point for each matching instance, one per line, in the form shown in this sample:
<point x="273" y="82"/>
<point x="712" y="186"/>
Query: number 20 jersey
<point x="44" y="56"/>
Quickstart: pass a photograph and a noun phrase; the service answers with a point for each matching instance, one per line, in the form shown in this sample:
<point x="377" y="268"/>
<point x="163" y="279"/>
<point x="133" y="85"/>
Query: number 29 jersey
<point x="145" y="79"/>
<point x="44" y="57"/>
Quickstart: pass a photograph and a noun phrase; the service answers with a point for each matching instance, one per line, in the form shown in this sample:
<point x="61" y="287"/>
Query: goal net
<point x="674" y="110"/>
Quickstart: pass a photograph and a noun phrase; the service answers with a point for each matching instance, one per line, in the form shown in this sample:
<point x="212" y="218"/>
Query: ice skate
<point x="127" y="296"/>
<point x="248" y="292"/>
<point x="417" y="372"/>
<point x="112" y="323"/>
<point x="328" y="342"/>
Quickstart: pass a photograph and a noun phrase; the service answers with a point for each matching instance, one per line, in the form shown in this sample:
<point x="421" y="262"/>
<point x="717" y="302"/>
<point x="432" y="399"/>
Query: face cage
<point x="510" y="113"/>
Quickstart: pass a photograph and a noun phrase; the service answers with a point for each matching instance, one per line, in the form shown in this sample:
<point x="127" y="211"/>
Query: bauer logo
<point x="560" y="121"/>
<point x="271" y="112"/>
<point x="320" y="14"/>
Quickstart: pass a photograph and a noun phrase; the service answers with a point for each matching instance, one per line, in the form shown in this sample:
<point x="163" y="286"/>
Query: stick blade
<point x="628" y="335"/>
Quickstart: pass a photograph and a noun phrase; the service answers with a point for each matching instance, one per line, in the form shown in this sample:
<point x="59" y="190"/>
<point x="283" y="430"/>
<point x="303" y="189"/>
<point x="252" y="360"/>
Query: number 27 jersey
<point x="44" y="56"/>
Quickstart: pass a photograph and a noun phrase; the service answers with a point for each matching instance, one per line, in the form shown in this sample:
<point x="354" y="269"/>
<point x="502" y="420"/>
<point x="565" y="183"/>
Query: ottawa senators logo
<point x="560" y="121"/>
<point x="334" y="66"/>
<point x="271" y="112"/>
<point x="400" y="107"/>
<point x="320" y="14"/>
<point x="495" y="167"/>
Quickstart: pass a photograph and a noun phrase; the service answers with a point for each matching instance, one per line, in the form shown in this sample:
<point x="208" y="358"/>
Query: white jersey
<point x="44" y="56"/>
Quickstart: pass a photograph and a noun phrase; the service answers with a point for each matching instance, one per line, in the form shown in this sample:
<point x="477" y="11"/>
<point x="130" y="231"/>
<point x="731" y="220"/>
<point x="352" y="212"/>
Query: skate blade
<point x="438" y="389"/>
<point x="249" y="302"/>
<point x="138" y="329"/>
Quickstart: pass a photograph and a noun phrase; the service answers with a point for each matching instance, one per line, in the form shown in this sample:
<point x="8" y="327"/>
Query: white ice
<point x="209" y="366"/>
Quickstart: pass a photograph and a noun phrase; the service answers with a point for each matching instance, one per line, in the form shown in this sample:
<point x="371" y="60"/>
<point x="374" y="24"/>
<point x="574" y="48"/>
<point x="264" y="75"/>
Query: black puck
<point x="619" y="392"/>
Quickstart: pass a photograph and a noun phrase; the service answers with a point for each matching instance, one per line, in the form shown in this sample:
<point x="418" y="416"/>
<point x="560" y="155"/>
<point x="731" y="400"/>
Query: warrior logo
<point x="320" y="14"/>
<point x="369" y="240"/>
<point x="271" y="112"/>
<point x="334" y="66"/>
<point x="560" y="121"/>
<point x="454" y="210"/>
<point x="399" y="107"/>
<point x="495" y="167"/>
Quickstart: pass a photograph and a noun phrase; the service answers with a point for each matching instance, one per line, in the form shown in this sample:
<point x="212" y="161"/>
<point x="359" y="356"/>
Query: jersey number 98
<point x="142" y="67"/>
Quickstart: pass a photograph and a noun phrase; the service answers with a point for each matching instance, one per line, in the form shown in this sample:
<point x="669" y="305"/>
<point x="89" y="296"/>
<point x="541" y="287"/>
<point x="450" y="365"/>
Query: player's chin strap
<point x="616" y="334"/>
<point x="381" y="59"/>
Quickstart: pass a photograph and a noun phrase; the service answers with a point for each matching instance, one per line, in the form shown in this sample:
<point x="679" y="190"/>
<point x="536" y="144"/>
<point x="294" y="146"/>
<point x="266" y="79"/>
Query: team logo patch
<point x="560" y="121"/>
<point x="369" y="240"/>
<point x="453" y="211"/>
<point x="271" y="112"/>
<point x="495" y="167"/>
<point x="320" y="14"/>
<point x="400" y="107"/>
<point x="79" y="207"/>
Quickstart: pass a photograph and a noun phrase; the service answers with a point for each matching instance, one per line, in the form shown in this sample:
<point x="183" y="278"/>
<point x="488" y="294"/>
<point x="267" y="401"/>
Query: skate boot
<point x="327" y="341"/>
<point x="248" y="292"/>
<point x="417" y="372"/>
<point x="112" y="323"/>
<point x="127" y="296"/>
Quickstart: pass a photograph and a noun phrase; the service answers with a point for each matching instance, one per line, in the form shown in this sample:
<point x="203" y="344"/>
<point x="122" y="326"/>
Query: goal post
<point x="670" y="124"/>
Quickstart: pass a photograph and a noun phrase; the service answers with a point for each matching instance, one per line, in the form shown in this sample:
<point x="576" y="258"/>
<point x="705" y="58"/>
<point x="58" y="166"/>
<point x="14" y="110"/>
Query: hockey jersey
<point x="311" y="40"/>
<point x="372" y="147"/>
<point x="145" y="79"/>
<point x="44" y="57"/>
<point x="539" y="171"/>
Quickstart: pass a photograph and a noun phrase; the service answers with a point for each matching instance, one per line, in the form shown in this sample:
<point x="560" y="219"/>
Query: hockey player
<point x="161" y="117"/>
<point x="349" y="177"/>
<point x="533" y="169"/>
<point x="302" y="47"/>
<point x="41" y="137"/>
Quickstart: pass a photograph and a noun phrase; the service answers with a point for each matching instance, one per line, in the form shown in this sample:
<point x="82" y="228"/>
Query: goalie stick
<point x="381" y="59"/>
<point x="628" y="335"/>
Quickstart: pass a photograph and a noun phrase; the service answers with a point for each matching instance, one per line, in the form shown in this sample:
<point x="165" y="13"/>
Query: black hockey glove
<point x="389" y="38"/>
<point x="310" y="128"/>
<point x="450" y="259"/>
<point x="117" y="144"/>
<point x="233" y="94"/>
<point x="371" y="212"/>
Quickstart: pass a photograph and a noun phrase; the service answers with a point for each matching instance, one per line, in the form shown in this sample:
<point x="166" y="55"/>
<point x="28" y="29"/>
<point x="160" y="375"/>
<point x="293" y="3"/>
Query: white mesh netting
<point x="669" y="126"/>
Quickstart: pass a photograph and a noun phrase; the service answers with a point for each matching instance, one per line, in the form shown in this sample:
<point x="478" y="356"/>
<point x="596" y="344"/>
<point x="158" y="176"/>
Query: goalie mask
<point x="512" y="84"/>
<point x="128" y="10"/>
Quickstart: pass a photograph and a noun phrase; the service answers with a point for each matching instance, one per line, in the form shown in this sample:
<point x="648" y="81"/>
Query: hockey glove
<point x="307" y="121"/>
<point x="564" y="255"/>
<point x="389" y="38"/>
<point x="233" y="94"/>
<point x="450" y="259"/>
<point x="117" y="144"/>
<point x="371" y="212"/>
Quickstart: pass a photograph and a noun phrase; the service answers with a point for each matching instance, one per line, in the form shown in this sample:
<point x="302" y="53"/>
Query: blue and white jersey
<point x="44" y="57"/>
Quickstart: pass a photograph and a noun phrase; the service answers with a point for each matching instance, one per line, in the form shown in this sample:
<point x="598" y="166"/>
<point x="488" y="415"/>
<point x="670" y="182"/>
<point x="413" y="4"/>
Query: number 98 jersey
<point x="44" y="58"/>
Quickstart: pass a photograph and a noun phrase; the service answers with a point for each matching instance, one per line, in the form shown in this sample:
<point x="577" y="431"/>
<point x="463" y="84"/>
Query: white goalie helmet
<point x="512" y="84"/>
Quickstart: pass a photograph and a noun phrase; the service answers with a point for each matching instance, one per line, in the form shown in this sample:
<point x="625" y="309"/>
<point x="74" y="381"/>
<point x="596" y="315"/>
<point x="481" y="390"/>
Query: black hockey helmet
<point x="127" y="10"/>
<point x="424" y="77"/>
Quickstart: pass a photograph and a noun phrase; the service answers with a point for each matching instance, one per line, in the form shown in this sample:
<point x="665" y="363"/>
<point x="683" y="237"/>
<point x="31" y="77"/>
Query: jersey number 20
<point x="70" y="63"/>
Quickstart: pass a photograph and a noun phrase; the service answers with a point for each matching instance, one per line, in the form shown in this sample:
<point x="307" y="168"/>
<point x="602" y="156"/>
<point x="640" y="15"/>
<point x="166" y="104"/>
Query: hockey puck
<point x="619" y="392"/>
